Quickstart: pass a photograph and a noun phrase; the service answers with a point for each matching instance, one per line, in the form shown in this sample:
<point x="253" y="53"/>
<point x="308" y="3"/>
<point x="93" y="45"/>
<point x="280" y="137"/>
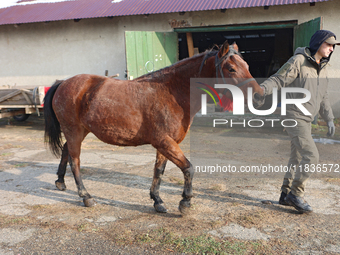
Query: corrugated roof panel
<point x="152" y="8"/>
<point x="186" y="5"/>
<point x="81" y="9"/>
<point x="198" y="6"/>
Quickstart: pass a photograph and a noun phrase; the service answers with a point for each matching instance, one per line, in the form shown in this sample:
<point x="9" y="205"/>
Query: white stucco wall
<point x="40" y="53"/>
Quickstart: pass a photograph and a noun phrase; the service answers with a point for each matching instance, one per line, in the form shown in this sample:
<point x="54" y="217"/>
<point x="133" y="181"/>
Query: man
<point x="306" y="69"/>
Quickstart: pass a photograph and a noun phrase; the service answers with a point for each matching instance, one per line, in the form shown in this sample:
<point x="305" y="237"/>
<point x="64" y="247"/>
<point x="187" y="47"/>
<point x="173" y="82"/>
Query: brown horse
<point x="152" y="109"/>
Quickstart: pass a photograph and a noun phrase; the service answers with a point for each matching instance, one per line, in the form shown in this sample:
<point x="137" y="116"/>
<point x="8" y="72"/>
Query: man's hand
<point x="331" y="128"/>
<point x="263" y="89"/>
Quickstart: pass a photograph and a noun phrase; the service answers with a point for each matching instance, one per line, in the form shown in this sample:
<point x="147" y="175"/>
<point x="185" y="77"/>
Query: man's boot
<point x="299" y="203"/>
<point x="282" y="199"/>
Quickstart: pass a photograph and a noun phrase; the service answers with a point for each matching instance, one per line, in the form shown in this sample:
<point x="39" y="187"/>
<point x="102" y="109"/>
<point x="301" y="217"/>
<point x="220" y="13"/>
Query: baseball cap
<point x="331" y="40"/>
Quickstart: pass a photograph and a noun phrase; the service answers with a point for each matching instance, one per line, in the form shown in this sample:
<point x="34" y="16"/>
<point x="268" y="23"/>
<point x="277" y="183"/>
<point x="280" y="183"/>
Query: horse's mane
<point x="207" y="54"/>
<point x="168" y="68"/>
<point x="212" y="52"/>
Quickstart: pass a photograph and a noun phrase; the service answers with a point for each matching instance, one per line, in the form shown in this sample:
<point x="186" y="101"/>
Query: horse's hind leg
<point x="60" y="183"/>
<point x="170" y="149"/>
<point x="82" y="192"/>
<point x="156" y="182"/>
<point x="73" y="144"/>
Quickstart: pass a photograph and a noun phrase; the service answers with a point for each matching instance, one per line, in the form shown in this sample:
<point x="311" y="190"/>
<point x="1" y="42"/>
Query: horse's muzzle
<point x="258" y="100"/>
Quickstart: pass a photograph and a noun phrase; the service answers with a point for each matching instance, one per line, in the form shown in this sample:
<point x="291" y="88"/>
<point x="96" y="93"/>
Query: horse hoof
<point x="160" y="208"/>
<point x="89" y="202"/>
<point x="184" y="207"/>
<point x="60" y="185"/>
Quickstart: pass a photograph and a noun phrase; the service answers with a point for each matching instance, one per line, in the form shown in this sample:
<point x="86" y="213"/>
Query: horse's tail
<point x="52" y="126"/>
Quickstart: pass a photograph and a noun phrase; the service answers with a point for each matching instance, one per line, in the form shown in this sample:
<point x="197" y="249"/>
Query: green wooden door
<point x="149" y="51"/>
<point x="304" y="31"/>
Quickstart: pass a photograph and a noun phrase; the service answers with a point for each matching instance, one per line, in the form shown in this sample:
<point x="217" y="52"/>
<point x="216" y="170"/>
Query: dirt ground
<point x="229" y="215"/>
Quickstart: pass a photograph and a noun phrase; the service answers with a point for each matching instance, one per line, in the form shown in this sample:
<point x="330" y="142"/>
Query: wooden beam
<point x="251" y="26"/>
<point x="12" y="94"/>
<point x="190" y="43"/>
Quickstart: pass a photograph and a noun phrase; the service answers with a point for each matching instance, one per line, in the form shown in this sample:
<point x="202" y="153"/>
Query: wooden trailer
<point x="20" y="103"/>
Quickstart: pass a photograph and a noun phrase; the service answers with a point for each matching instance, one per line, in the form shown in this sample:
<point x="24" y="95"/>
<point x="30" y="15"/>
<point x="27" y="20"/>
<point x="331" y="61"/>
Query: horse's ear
<point x="235" y="46"/>
<point x="224" y="49"/>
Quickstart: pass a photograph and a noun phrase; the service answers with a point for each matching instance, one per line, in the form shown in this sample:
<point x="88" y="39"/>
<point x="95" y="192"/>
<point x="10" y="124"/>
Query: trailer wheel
<point x="21" y="117"/>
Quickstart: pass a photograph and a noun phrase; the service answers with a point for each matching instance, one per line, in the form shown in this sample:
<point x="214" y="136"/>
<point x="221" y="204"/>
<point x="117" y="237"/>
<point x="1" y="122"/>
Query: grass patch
<point x="144" y="238"/>
<point x="164" y="239"/>
<point x="8" y="220"/>
<point x="83" y="227"/>
<point x="20" y="165"/>
<point x="87" y="227"/>
<point x="83" y="170"/>
<point x="316" y="127"/>
<point x="320" y="129"/>
<point x="18" y="220"/>
<point x="6" y="154"/>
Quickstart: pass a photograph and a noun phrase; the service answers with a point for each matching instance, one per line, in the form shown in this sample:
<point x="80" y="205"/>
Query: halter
<point x="218" y="62"/>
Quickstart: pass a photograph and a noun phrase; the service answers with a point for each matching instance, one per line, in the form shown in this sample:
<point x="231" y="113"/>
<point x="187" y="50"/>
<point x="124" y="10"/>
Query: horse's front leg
<point x="60" y="183"/>
<point x="170" y="149"/>
<point x="156" y="182"/>
<point x="188" y="173"/>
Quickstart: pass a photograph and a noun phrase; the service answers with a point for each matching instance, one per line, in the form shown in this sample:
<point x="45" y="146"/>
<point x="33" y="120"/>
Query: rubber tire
<point x="21" y="117"/>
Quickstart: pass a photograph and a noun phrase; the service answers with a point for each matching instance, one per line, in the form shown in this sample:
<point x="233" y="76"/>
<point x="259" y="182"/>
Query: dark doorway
<point x="264" y="50"/>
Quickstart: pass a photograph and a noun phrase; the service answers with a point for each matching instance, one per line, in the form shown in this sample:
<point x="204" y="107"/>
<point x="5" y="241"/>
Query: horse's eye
<point x="232" y="70"/>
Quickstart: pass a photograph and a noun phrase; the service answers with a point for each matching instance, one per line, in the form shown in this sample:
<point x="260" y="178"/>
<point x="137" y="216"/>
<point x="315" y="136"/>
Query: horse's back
<point x="120" y="112"/>
<point x="111" y="109"/>
<point x="84" y="89"/>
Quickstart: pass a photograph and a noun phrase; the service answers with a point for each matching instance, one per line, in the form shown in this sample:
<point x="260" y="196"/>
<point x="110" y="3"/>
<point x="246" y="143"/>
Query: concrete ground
<point x="36" y="218"/>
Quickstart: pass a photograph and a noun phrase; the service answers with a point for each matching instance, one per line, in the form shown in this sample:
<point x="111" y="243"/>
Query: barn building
<point x="45" y="40"/>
